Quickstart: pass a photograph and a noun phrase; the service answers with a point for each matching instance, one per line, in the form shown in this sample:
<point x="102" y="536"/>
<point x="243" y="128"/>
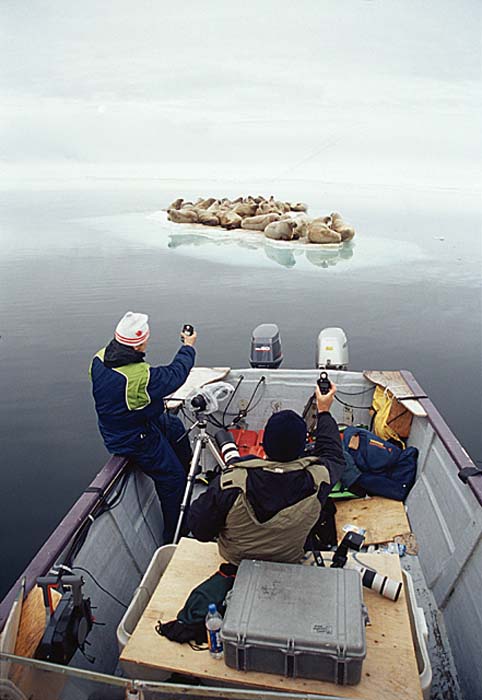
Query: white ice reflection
<point x="249" y="249"/>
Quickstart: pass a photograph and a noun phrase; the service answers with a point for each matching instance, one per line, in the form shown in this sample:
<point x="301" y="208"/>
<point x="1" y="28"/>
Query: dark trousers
<point x="167" y="461"/>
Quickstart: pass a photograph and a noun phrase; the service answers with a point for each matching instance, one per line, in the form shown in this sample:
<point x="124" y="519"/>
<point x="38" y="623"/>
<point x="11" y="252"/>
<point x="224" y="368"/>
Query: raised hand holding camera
<point x="324" y="400"/>
<point x="188" y="334"/>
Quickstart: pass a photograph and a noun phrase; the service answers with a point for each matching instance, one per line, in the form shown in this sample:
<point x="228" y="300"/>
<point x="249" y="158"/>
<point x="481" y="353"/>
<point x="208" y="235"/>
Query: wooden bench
<point x="389" y="670"/>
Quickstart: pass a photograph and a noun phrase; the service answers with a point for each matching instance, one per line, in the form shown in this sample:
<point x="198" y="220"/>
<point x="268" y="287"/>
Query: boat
<point x="110" y="545"/>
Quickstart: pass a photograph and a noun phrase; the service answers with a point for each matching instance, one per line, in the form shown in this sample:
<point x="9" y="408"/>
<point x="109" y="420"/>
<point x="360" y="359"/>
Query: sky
<point x="346" y="90"/>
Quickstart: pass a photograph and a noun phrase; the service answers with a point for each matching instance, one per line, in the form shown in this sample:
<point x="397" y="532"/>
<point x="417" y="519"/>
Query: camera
<point x="187" y="329"/>
<point x="383" y="585"/>
<point x="199" y="403"/>
<point x="207" y="398"/>
<point x="324" y="384"/>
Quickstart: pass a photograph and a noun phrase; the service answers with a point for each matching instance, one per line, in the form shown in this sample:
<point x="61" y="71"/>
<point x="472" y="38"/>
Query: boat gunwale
<point x="441" y="428"/>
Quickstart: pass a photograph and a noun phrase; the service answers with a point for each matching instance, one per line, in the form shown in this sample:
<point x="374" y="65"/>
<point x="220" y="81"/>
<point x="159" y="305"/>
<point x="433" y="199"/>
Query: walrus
<point x="301" y="225"/>
<point x="229" y="219"/>
<point x="299" y="206"/>
<point x="318" y="232"/>
<point x="259" y="223"/>
<point x="188" y="205"/>
<point x="267" y="208"/>
<point x="245" y="209"/>
<point x="324" y="219"/>
<point x="283" y="207"/>
<point x="177" y="204"/>
<point x="280" y="230"/>
<point x="337" y="224"/>
<point x="208" y="218"/>
<point x="205" y="203"/>
<point x="182" y="216"/>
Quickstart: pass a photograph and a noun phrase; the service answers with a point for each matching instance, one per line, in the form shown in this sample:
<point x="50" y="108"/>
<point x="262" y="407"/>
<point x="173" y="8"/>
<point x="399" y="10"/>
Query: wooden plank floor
<point x="382" y="518"/>
<point x="389" y="670"/>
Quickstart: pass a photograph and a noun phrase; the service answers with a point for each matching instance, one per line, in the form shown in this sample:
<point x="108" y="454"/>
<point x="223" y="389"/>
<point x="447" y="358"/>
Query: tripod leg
<point x="187" y="492"/>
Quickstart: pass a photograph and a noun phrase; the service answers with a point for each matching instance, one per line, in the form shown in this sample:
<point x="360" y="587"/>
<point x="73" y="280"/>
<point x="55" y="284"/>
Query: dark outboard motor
<point x="69" y="624"/>
<point x="266" y="350"/>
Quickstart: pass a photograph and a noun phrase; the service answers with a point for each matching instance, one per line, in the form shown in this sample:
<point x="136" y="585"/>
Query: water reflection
<point x="175" y="241"/>
<point x="327" y="258"/>
<point x="284" y="254"/>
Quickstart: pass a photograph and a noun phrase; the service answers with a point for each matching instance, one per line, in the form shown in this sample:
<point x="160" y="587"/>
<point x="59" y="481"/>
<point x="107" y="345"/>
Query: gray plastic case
<point x="297" y="621"/>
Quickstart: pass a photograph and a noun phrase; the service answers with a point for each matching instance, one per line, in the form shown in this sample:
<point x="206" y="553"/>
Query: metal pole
<point x="187" y="491"/>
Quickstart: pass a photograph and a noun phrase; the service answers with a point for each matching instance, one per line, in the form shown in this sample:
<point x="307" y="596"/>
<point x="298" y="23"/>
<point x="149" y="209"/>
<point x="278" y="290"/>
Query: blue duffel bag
<point x="377" y="467"/>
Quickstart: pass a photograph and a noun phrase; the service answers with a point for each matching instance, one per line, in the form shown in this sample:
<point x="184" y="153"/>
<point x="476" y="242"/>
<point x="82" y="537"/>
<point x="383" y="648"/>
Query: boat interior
<point x="112" y="537"/>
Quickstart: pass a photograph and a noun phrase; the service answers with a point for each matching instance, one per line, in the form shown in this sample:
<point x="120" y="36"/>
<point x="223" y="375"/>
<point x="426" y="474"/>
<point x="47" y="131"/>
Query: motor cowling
<point x="68" y="624"/>
<point x="266" y="350"/>
<point x="332" y="349"/>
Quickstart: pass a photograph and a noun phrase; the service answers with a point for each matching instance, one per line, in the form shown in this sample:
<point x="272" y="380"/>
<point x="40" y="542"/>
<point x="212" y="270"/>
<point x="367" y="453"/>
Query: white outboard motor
<point x="332" y="349"/>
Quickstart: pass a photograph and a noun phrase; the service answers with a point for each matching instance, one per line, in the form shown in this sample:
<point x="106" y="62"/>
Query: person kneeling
<point x="265" y="508"/>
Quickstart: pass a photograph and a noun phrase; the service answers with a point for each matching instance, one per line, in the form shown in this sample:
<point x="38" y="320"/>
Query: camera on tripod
<point x="202" y="402"/>
<point x="207" y="398"/>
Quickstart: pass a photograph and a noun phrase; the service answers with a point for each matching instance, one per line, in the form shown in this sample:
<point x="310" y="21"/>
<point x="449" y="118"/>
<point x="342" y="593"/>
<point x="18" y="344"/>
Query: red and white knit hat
<point x="132" y="329"/>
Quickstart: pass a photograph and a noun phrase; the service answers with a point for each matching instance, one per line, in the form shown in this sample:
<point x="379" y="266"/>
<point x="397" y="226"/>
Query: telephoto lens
<point x="227" y="446"/>
<point x="383" y="585"/>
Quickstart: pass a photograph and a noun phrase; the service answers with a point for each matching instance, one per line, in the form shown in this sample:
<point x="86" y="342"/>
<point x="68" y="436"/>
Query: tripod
<point x="203" y="440"/>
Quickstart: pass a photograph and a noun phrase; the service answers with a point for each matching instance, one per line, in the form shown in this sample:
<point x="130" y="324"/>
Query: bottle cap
<point x="212" y="608"/>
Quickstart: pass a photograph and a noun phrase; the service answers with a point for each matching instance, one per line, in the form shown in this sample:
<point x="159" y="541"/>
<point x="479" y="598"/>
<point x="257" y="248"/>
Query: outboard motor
<point x="69" y="624"/>
<point x="266" y="350"/>
<point x="332" y="349"/>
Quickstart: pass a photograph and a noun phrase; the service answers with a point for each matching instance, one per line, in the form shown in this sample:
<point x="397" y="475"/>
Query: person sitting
<point x="129" y="400"/>
<point x="265" y="508"/>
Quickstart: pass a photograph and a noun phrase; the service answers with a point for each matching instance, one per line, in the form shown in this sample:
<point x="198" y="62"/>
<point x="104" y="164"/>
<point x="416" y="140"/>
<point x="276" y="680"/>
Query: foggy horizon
<point x="366" y="92"/>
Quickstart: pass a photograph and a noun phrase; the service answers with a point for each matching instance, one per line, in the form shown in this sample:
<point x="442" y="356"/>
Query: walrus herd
<point x="281" y="221"/>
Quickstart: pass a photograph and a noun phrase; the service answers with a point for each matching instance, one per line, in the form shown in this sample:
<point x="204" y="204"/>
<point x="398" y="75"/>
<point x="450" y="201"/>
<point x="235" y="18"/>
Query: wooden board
<point x="382" y="518"/>
<point x="198" y="376"/>
<point x="389" y="670"/>
<point x="34" y="683"/>
<point x="394" y="381"/>
<point x="32" y="622"/>
<point x="9" y="634"/>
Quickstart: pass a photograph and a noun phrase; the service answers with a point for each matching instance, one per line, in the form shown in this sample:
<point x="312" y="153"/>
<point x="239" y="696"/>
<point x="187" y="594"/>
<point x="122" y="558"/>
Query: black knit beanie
<point x="284" y="436"/>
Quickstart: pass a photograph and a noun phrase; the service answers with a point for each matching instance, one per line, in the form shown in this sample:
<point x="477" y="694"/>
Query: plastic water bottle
<point x="213" y="627"/>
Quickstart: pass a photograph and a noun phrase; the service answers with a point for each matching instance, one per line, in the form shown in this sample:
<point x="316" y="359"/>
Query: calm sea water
<point x="74" y="259"/>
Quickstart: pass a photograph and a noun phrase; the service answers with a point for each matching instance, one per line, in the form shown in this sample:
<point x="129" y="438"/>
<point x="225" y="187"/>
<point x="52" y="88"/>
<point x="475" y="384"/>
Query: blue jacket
<point x="129" y="393"/>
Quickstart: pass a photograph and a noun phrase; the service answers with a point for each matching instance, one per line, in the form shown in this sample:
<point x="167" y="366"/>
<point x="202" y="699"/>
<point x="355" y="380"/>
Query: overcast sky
<point x="323" y="89"/>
